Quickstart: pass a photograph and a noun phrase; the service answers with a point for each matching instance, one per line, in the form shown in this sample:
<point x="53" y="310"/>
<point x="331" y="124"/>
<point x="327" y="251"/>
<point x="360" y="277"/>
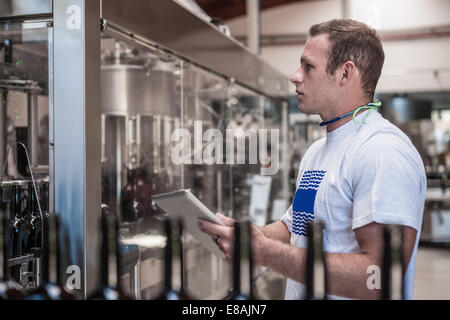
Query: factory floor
<point x="432" y="274"/>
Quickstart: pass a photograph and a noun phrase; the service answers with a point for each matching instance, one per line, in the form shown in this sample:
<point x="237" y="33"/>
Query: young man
<point x="363" y="174"/>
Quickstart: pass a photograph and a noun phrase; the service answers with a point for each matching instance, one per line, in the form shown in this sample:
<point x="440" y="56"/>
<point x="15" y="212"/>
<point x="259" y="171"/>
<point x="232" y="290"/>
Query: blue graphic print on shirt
<point x="305" y="196"/>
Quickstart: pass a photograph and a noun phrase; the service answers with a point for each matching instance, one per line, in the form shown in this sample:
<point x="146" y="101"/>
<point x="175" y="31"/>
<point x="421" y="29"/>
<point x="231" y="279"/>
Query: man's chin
<point x="302" y="108"/>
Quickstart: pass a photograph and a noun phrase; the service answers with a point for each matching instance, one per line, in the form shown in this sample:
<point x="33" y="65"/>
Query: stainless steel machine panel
<point x="126" y="89"/>
<point x="20" y="8"/>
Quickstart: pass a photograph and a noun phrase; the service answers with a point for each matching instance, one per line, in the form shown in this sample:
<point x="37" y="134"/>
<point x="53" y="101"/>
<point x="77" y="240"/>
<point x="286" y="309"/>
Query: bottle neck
<point x="31" y="201"/>
<point x="237" y="259"/>
<point x="250" y="258"/>
<point x="4" y="237"/>
<point x="16" y="205"/>
<point x="315" y="243"/>
<point x="309" y="272"/>
<point x="110" y="250"/>
<point x="242" y="252"/>
<point x="104" y="253"/>
<point x="44" y="198"/>
<point x="105" y="191"/>
<point x="46" y="250"/>
<point x="132" y="179"/>
<point x="168" y="256"/>
<point x="116" y="254"/>
<point x="386" y="265"/>
<point x="59" y="278"/>
<point x="53" y="245"/>
<point x="181" y="255"/>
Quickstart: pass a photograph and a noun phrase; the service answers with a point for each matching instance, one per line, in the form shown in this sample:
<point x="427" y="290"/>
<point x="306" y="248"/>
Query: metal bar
<point x="32" y="127"/>
<point x="254" y="25"/>
<point x="77" y="136"/>
<point x="51" y="162"/>
<point x="294" y="39"/>
<point x="20" y="260"/>
<point x="3" y="126"/>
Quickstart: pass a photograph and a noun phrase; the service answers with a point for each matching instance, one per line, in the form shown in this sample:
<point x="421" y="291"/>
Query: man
<point x="363" y="174"/>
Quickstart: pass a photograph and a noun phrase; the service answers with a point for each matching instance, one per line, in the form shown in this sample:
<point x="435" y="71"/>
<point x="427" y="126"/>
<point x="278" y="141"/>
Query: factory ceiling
<point x="227" y="9"/>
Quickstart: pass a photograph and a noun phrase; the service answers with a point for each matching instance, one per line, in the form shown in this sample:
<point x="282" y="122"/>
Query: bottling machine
<point x="99" y="93"/>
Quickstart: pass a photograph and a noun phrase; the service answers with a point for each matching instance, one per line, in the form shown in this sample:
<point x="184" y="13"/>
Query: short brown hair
<point x="353" y="41"/>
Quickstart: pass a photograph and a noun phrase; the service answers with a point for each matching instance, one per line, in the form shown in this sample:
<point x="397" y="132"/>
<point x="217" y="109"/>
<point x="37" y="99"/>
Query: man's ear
<point x="348" y="71"/>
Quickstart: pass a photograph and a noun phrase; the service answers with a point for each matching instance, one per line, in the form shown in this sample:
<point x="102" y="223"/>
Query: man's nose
<point x="296" y="78"/>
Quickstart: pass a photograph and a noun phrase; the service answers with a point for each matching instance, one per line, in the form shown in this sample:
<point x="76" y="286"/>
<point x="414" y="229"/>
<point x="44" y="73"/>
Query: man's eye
<point x="308" y="67"/>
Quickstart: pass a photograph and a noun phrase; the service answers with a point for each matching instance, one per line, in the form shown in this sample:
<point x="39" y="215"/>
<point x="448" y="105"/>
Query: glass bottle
<point x="34" y="219"/>
<point x="309" y="267"/>
<point x="242" y="251"/>
<point x="44" y="198"/>
<point x="314" y="232"/>
<point x="131" y="207"/>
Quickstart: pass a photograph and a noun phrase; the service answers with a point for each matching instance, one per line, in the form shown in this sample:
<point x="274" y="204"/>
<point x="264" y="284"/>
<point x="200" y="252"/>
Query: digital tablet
<point x="184" y="205"/>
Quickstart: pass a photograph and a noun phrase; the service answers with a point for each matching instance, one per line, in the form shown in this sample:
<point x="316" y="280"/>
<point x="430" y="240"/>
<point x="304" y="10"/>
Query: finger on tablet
<point x="212" y="228"/>
<point x="228" y="221"/>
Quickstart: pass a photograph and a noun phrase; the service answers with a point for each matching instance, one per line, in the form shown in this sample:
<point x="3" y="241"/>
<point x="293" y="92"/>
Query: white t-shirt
<point x="358" y="174"/>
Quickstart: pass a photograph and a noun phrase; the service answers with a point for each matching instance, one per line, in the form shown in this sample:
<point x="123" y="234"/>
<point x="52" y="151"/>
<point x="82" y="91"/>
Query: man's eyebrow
<point x="305" y="60"/>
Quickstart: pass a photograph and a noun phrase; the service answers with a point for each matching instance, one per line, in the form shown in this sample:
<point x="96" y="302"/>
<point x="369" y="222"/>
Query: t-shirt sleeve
<point x="389" y="183"/>
<point x="287" y="218"/>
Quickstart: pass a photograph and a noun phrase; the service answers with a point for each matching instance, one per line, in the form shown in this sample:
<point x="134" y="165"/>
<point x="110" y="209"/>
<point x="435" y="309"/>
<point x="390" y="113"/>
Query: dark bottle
<point x="20" y="228"/>
<point x="131" y="207"/>
<point x="26" y="204"/>
<point x="392" y="241"/>
<point x="9" y="289"/>
<point x="312" y="228"/>
<point x="106" y="209"/>
<point x="309" y="266"/>
<point x="173" y="253"/>
<point x="44" y="198"/>
<point x="105" y="191"/>
<point x="241" y="251"/>
<point x="34" y="219"/>
<point x="109" y="248"/>
<point x="50" y="289"/>
<point x="386" y="265"/>
<point x="8" y="56"/>
<point x="145" y="189"/>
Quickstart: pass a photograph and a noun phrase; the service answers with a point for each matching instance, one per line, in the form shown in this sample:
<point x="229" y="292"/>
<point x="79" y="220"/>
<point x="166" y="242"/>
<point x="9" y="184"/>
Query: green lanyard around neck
<point x="370" y="106"/>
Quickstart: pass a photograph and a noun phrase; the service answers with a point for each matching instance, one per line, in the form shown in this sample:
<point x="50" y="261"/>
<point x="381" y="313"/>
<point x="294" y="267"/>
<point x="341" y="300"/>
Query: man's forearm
<point x="277" y="231"/>
<point x="346" y="272"/>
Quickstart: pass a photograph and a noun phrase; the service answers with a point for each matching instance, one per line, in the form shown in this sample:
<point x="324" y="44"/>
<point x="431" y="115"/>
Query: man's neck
<point x="343" y="110"/>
